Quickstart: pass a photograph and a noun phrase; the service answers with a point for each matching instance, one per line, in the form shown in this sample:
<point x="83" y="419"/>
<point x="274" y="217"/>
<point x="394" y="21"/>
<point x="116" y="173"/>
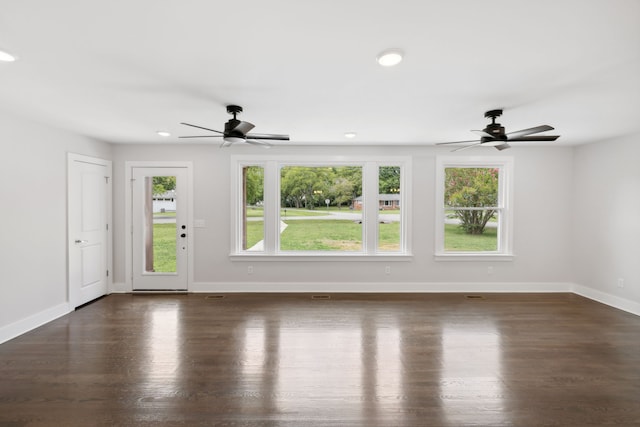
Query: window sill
<point x="321" y="257"/>
<point x="473" y="257"/>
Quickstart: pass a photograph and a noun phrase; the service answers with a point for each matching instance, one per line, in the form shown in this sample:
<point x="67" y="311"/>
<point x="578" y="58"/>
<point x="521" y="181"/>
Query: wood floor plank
<point x="287" y="360"/>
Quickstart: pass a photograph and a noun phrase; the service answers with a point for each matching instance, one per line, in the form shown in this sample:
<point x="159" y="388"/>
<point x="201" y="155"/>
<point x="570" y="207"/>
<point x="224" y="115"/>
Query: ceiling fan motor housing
<point x="496" y="131"/>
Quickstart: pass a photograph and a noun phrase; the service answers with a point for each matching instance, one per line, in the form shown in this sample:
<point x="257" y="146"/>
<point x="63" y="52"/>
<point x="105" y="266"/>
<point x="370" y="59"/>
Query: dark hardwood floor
<point x="349" y="360"/>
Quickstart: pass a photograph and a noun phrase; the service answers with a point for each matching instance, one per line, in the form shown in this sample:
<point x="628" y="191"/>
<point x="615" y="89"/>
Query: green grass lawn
<point x="164" y="248"/>
<point x="456" y="240"/>
<point x="345" y="235"/>
<point x="325" y="235"/>
<point x="322" y="235"/>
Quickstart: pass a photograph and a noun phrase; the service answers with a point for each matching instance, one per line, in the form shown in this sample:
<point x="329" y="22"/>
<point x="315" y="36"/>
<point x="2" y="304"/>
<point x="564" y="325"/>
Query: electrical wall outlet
<point x="387" y="269"/>
<point x="250" y="269"/>
<point x="490" y="270"/>
<point x="620" y="282"/>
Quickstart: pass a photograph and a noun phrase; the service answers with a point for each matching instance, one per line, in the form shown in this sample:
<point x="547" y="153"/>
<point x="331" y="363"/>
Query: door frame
<point x="72" y="294"/>
<point x="128" y="220"/>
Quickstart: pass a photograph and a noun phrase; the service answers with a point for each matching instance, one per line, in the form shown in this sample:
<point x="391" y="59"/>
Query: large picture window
<point x="319" y="207"/>
<point x="473" y="201"/>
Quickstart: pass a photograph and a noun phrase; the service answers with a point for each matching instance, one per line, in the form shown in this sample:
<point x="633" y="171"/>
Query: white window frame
<point x="505" y="204"/>
<point x="370" y="169"/>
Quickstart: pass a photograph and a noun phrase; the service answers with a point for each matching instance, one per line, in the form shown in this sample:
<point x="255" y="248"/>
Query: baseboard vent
<point x="320" y="296"/>
<point x="214" y="297"/>
<point x="474" y="297"/>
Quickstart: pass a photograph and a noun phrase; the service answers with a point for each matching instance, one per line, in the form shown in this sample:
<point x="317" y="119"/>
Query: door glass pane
<point x="389" y="209"/>
<point x="160" y="224"/>
<point x="321" y="208"/>
<point x="253" y="208"/>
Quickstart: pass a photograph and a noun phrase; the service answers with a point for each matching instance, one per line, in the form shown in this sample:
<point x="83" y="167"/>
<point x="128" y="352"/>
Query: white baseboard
<point x="119" y="288"/>
<point x="608" y="299"/>
<point x="377" y="287"/>
<point x="20" y="327"/>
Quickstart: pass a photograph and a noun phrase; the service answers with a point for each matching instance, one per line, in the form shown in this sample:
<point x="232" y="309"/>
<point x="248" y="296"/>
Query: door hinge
<point x="106" y="179"/>
<point x="107" y="227"/>
<point x="107" y="273"/>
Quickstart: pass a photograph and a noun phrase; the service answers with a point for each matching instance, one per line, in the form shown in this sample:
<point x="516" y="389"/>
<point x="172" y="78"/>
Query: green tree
<point x="341" y="191"/>
<point x="254" y="184"/>
<point x="389" y="179"/>
<point x="467" y="188"/>
<point x="304" y="185"/>
<point x="162" y="184"/>
<point x="353" y="174"/>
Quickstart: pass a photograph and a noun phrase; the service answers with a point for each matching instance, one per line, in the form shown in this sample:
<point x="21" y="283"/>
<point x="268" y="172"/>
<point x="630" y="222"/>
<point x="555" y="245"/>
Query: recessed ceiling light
<point x="163" y="133"/>
<point x="390" y="57"/>
<point x="6" y="57"/>
<point x="350" y="135"/>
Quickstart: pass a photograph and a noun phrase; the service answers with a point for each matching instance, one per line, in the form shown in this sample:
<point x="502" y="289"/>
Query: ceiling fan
<point x="494" y="135"/>
<point x="237" y="131"/>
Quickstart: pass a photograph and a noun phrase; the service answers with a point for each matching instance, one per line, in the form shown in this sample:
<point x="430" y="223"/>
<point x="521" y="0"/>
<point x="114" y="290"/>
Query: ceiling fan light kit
<point x="238" y="131"/>
<point x="494" y="135"/>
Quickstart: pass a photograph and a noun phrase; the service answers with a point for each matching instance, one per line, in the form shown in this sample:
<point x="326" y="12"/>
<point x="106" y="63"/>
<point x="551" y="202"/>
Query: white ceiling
<point x="121" y="70"/>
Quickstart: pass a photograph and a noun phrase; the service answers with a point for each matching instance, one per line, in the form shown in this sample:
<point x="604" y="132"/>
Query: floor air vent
<point x="320" y="296"/>
<point x="214" y="297"/>
<point x="474" y="297"/>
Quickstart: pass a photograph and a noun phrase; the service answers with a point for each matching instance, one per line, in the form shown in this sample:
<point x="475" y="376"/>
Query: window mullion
<point x="271" y="207"/>
<point x="370" y="217"/>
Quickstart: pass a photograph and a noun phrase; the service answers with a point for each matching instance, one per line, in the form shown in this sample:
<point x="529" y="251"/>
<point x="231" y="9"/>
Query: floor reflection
<point x="470" y="375"/>
<point x="293" y="365"/>
<point x="320" y="364"/>
<point x="162" y="358"/>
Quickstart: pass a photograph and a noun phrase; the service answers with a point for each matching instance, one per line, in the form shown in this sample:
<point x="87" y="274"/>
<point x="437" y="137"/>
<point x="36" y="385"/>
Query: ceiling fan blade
<point x="535" y="138"/>
<point x="200" y="127"/>
<point x="270" y="136"/>
<point x="502" y="146"/>
<point x="202" y="136"/>
<point x="483" y="133"/>
<point x="524" y="132"/>
<point x="260" y="143"/>
<point x="243" y="127"/>
<point x="466" y="147"/>
<point x="457" y="142"/>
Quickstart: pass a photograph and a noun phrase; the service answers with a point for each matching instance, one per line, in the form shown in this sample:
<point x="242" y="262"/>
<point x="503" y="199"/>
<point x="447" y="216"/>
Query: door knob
<point x="81" y="241"/>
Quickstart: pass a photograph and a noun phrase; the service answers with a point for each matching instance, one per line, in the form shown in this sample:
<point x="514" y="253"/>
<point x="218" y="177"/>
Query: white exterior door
<point x="89" y="204"/>
<point x="160" y="249"/>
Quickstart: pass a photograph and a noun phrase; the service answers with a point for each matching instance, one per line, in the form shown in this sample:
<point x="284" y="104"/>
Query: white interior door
<point x="88" y="229"/>
<point x="159" y="228"/>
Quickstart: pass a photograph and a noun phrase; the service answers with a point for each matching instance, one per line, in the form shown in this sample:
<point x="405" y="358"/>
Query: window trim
<point x="505" y="200"/>
<point x="370" y="168"/>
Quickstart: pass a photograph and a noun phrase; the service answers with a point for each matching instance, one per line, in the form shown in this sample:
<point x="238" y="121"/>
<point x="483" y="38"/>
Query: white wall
<point x="543" y="179"/>
<point x="33" y="178"/>
<point x="606" y="221"/>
